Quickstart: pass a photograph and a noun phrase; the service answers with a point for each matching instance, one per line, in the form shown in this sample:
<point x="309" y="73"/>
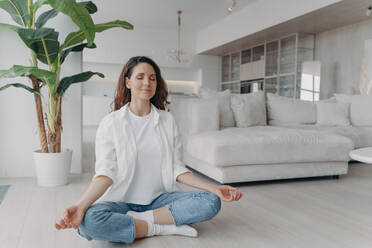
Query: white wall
<point x="366" y="70"/>
<point x="18" y="125"/>
<point x="253" y="18"/>
<point x="116" y="46"/>
<point x="101" y="107"/>
<point x="341" y="53"/>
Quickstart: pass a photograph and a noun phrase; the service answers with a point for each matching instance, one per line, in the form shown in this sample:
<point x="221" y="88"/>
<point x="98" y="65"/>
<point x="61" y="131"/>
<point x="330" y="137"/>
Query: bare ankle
<point x="163" y="216"/>
<point x="141" y="228"/>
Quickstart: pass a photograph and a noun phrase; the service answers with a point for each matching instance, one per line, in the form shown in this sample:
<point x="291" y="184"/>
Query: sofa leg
<point x="336" y="177"/>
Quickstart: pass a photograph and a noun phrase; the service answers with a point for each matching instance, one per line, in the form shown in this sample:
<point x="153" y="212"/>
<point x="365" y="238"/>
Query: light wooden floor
<point x="300" y="213"/>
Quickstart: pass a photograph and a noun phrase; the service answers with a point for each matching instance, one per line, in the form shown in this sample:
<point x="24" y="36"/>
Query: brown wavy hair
<point x="123" y="94"/>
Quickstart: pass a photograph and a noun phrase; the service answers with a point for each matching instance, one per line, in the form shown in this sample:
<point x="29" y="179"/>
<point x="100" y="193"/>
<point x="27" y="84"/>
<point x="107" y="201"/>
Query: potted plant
<point x="52" y="164"/>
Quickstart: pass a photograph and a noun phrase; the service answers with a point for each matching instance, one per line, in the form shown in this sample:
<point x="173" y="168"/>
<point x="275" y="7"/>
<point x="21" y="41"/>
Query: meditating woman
<point x="134" y="192"/>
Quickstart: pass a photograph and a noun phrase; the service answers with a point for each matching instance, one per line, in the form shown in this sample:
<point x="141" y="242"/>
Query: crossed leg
<point x="181" y="208"/>
<point x="108" y="221"/>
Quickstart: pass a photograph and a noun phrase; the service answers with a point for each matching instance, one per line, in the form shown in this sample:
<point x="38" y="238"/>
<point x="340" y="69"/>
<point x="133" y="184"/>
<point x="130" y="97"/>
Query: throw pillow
<point x="249" y="109"/>
<point x="333" y="114"/>
<point x="360" y="108"/>
<point x="195" y="115"/>
<point x="287" y="111"/>
<point x="223" y="98"/>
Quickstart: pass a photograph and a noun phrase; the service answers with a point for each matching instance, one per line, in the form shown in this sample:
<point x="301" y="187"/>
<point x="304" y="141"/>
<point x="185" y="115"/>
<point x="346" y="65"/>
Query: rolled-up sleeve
<point x="106" y="162"/>
<point x="178" y="165"/>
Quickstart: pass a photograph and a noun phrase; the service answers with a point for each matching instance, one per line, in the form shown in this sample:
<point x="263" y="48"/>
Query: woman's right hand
<point x="72" y="218"/>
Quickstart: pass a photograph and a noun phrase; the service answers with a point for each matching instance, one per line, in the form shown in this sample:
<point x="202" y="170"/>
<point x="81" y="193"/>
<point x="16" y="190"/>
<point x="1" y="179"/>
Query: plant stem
<point x="46" y="54"/>
<point x="31" y="22"/>
<point x="36" y="87"/>
<point x="55" y="123"/>
<point x="40" y="118"/>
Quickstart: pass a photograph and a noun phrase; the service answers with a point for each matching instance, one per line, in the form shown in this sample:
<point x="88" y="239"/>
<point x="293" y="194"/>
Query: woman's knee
<point x="215" y="203"/>
<point x="210" y="204"/>
<point x="92" y="218"/>
<point x="101" y="223"/>
<point x="87" y="226"/>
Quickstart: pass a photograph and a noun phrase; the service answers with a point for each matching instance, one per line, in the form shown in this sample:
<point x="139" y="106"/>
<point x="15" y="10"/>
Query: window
<point x="310" y="81"/>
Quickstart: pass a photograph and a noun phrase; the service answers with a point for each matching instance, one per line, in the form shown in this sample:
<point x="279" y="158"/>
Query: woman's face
<point x="142" y="82"/>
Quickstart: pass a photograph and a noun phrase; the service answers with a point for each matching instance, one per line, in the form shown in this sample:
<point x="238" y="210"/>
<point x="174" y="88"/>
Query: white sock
<point x="146" y="216"/>
<point x="156" y="229"/>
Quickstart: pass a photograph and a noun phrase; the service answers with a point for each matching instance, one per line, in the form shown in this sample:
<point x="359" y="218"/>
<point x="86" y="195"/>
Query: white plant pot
<point x="52" y="169"/>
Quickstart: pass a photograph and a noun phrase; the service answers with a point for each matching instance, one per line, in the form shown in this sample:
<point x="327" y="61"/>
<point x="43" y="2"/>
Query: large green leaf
<point x="73" y="38"/>
<point x="114" y="24"/>
<point x="12" y="27"/>
<point x="20" y="86"/>
<point x="44" y="17"/>
<point x="17" y="9"/>
<point x="39" y="3"/>
<point x="23" y="71"/>
<point x="78" y="37"/>
<point x="78" y="14"/>
<point x="90" y="6"/>
<point x="77" y="48"/>
<point x="43" y="41"/>
<point x="77" y="78"/>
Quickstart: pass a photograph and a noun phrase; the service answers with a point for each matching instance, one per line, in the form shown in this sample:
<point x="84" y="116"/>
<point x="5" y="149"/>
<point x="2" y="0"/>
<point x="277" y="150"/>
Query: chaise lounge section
<point x="266" y="153"/>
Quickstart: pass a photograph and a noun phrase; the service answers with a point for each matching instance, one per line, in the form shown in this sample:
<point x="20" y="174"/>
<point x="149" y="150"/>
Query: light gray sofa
<point x="262" y="152"/>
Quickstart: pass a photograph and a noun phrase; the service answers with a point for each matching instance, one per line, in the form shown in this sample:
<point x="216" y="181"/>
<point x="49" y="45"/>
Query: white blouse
<point x="147" y="183"/>
<point x="116" y="151"/>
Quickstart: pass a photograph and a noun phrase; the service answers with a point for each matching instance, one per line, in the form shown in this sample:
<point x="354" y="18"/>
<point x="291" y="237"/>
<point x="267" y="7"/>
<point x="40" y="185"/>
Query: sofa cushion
<point x="332" y="113"/>
<point x="195" y="115"/>
<point x="361" y="136"/>
<point x="223" y="98"/>
<point x="249" y="109"/>
<point x="267" y="145"/>
<point x="288" y="111"/>
<point x="360" y="108"/>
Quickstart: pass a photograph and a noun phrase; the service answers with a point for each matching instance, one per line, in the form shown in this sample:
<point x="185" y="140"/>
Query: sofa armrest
<point x="195" y="115"/>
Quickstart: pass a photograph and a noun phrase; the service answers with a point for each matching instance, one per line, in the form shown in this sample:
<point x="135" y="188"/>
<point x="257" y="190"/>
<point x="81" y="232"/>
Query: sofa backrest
<point x="286" y="111"/>
<point x="360" y="108"/>
<point x="195" y="115"/>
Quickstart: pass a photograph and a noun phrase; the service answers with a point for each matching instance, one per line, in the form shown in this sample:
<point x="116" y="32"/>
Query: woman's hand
<point x="228" y="193"/>
<point x="72" y="218"/>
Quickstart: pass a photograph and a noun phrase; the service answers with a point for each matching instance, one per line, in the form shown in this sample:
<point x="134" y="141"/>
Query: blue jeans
<point x="108" y="220"/>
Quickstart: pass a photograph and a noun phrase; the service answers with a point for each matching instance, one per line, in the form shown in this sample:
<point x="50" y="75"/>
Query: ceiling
<point x="196" y="15"/>
<point x="340" y="14"/>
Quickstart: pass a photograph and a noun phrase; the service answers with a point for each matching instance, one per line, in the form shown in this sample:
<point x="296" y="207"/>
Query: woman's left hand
<point x="228" y="193"/>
